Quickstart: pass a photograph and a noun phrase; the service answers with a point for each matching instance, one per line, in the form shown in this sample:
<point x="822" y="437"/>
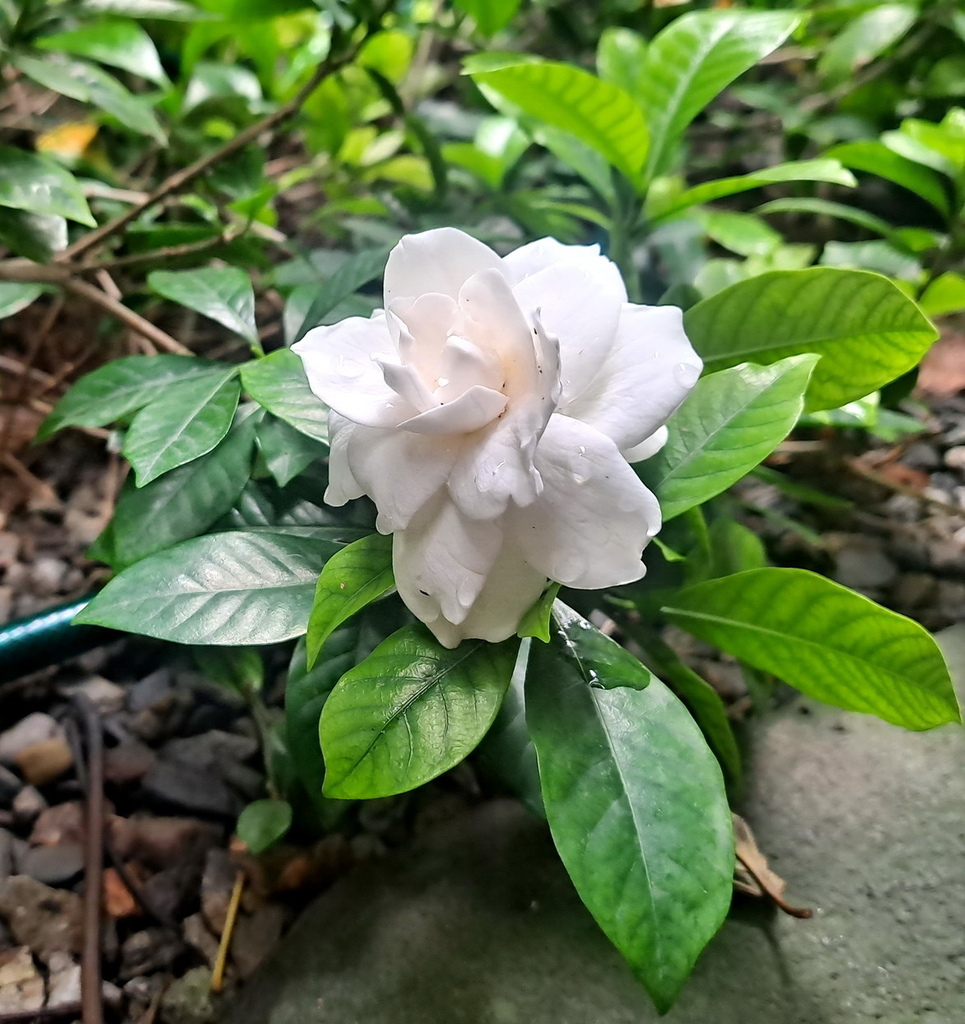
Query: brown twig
<point x="217" y="977"/>
<point x="90" y="965"/>
<point x="177" y="181"/>
<point x="169" y="252"/>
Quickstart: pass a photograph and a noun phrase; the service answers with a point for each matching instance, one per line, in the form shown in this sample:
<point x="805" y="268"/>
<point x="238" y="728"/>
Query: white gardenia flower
<point x="491" y="412"/>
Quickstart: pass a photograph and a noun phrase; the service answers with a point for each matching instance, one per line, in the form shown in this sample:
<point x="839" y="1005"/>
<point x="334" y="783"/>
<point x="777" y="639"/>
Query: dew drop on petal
<point x="686" y="374"/>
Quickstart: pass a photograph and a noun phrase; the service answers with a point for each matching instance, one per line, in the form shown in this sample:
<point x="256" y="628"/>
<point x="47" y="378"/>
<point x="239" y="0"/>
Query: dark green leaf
<point x="866" y="330"/>
<point x="122" y="44"/>
<point x="635" y="801"/>
<point x="826" y="208"/>
<point x="598" y="113"/>
<point x="353" y="578"/>
<point x="14" y="297"/>
<point x="32" y="235"/>
<point x="278" y="383"/>
<point x="356" y="270"/>
<point x="411" y="711"/>
<point x="39" y="185"/>
<point x="694" y="59"/>
<point x="120" y="387"/>
<point x="185" y="502"/>
<point x="729" y="423"/>
<point x="286" y="451"/>
<point x="236" y="668"/>
<point x="187" y="420"/>
<point x="222" y="293"/>
<point x="263" y="823"/>
<point x="229" y="589"/>
<point x="826" y="640"/>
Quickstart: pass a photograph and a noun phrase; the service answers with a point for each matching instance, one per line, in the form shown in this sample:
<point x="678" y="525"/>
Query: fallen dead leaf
<point x="753" y="875"/>
<point x="942" y="371"/>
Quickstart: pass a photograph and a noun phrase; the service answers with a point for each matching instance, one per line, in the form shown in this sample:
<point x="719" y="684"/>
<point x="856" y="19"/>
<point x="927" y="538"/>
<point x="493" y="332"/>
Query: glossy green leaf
<point x="621" y="58"/>
<point x="826" y="640"/>
<point x="864" y="38"/>
<point x="39" y="185"/>
<point x="411" y="711"/>
<point x="798" y="170"/>
<point x="14" y="297"/>
<point x="32" y="235"/>
<point x="286" y="451"/>
<point x="278" y="383"/>
<point x="185" y="502"/>
<point x="355" y="577"/>
<point x="223" y="294"/>
<point x="876" y="158"/>
<point x="187" y="420"/>
<point x="692" y="60"/>
<point x="490" y="16"/>
<point x="230" y="589"/>
<point x="164" y="10"/>
<point x="240" y="669"/>
<point x="88" y="83"/>
<point x="356" y="270"/>
<point x="263" y="823"/>
<point x="635" y="801"/>
<point x="730" y="422"/>
<point x="122" y="44"/>
<point x="866" y="330"/>
<point x="946" y="294"/>
<point x="598" y="113"/>
<point x="122" y="386"/>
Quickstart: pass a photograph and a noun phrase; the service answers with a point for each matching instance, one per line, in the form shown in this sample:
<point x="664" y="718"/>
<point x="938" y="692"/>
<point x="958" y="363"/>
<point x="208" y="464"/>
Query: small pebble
<point x="30" y="730"/>
<point x="10" y="786"/>
<point x="107" y="697"/>
<point x="955" y="457"/>
<point x="45" y="762"/>
<point x="52" y="865"/>
<point x="47" y="575"/>
<point x="21" y="986"/>
<point x="28" y="805"/>
<point x="64" y="981"/>
<point x="45" y="919"/>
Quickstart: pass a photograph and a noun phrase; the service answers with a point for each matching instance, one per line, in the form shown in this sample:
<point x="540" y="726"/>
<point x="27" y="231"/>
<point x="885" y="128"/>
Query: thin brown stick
<point x="177" y="181"/>
<point x="169" y="252"/>
<point x="135" y="321"/>
<point x="217" y="977"/>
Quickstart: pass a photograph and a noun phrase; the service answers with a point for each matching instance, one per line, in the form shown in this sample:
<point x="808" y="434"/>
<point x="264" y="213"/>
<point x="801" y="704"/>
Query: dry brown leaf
<point x="753" y="875"/>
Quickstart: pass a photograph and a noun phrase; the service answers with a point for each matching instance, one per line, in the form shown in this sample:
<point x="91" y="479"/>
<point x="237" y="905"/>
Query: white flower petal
<point x="399" y="471"/>
<point x="579" y="300"/>
<point x="341" y="365"/>
<point x="407" y="384"/>
<point x="594" y="518"/>
<point x="470" y="411"/>
<point x="441" y="561"/>
<point x="536" y="256"/>
<point x="649" y="372"/>
<point x="342" y="486"/>
<point x="647" y="448"/>
<point x="421" y="327"/>
<point x="440" y="260"/>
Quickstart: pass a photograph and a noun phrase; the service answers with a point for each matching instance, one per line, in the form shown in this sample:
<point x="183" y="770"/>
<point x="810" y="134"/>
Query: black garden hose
<point x="47" y="638"/>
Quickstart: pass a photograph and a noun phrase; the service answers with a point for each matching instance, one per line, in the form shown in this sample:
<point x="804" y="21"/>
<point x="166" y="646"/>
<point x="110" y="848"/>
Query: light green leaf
<point x="14" y="297"/>
<point x="278" y="383"/>
<point x="797" y="170"/>
<point x="263" y="823"/>
<point x="230" y="589"/>
<point x="163" y="10"/>
<point x="358" y="575"/>
<point x="185" y="502"/>
<point x="490" y="16"/>
<point x="862" y="325"/>
<point x="827" y="208"/>
<point x="598" y="113"/>
<point x="876" y="158"/>
<point x="536" y="621"/>
<point x="742" y="233"/>
<point x="186" y="420"/>
<point x="39" y="185"/>
<point x="692" y="60"/>
<point x="730" y="422"/>
<point x="286" y="451"/>
<point x="946" y="294"/>
<point x="120" y="387"/>
<point x="411" y="711"/>
<point x="122" y="44"/>
<point x="88" y="83"/>
<point x="223" y="294"/>
<point x="635" y="801"/>
<point x="621" y="59"/>
<point x="825" y="640"/>
<point x="865" y="38"/>
<point x="356" y="270"/>
<point x="32" y="235"/>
